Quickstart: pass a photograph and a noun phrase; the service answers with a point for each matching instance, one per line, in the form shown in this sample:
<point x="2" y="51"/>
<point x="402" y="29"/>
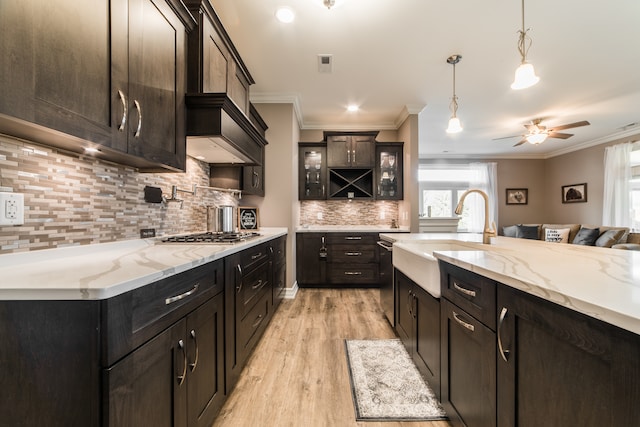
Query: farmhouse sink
<point x="416" y="261"/>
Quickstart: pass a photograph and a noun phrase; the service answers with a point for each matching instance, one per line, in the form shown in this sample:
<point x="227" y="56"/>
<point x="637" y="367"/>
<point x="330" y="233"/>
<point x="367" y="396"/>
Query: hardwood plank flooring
<point x="297" y="375"/>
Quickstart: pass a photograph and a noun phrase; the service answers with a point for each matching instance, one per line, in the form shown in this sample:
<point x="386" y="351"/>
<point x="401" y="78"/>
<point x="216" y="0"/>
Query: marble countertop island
<point x="600" y="282"/>
<point x="108" y="269"/>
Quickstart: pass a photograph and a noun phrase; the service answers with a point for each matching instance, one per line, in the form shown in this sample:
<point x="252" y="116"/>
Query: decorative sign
<point x="248" y="218"/>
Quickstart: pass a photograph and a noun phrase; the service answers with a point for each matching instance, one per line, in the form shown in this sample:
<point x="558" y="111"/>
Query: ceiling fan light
<point x="536" y="138"/>
<point x="525" y="77"/>
<point x="454" y="125"/>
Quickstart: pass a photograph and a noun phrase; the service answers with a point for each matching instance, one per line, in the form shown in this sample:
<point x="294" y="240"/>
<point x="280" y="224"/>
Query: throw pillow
<point x="586" y="236"/>
<point x="527" y="232"/>
<point x="557" y="235"/>
<point x="510" y="231"/>
<point x="609" y="238"/>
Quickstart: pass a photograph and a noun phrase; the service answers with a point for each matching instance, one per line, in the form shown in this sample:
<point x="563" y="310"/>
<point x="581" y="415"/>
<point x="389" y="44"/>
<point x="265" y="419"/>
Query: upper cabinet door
<point x="56" y="68"/>
<point x="339" y="151"/>
<point x="312" y="173"/>
<point x="389" y="171"/>
<point x="350" y="151"/>
<point x="157" y="49"/>
<point x="362" y="150"/>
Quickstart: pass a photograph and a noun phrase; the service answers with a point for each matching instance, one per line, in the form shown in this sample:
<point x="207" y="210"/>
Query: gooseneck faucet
<point x="488" y="233"/>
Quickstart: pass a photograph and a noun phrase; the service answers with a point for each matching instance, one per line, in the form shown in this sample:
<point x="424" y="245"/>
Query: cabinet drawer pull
<point x="193" y="290"/>
<point x="353" y="238"/>
<point x="256" y="256"/>
<point x="353" y="253"/>
<point x="464" y="290"/>
<point x="258" y="321"/>
<point x="503" y="353"/>
<point x="257" y="285"/>
<point x="184" y="362"/>
<point x="123" y="121"/>
<point x="195" y="341"/>
<point x="239" y="278"/>
<point x="462" y="323"/>
<point x="353" y="273"/>
<point x="137" y="104"/>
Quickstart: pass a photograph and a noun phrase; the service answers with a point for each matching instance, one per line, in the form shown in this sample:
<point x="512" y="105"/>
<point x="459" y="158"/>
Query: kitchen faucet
<point x="488" y="232"/>
<point x="174" y="196"/>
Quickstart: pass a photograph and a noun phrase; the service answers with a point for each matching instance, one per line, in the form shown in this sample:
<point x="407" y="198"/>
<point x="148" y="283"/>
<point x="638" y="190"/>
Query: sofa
<point x="578" y="234"/>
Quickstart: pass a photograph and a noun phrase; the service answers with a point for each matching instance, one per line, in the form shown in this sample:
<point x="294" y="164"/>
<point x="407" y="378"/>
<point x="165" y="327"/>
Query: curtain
<point x="616" y="206"/>
<point x="485" y="178"/>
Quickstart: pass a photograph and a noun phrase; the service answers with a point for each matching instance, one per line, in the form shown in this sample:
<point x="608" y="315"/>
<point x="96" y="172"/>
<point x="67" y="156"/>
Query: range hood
<point x="219" y="132"/>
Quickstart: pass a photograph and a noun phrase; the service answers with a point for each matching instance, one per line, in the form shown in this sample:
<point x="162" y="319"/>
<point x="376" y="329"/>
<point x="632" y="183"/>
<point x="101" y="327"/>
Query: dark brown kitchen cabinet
<point x="389" y="171"/>
<point x="418" y="326"/>
<point x="278" y="253"/>
<point x="352" y="259"/>
<point x="351" y="149"/>
<point x="175" y="379"/>
<point x="248" y="304"/>
<point x="558" y="367"/>
<point x="312" y="171"/>
<point x="468" y="347"/>
<point x="150" y="356"/>
<point x="253" y="178"/>
<point x="114" y="80"/>
<point x="311" y="259"/>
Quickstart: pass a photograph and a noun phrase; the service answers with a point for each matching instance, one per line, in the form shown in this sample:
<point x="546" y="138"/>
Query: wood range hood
<point x="219" y="132"/>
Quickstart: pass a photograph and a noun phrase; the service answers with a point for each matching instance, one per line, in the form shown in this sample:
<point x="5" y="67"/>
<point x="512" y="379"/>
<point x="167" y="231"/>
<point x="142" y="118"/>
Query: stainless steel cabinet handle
<point x="348" y="156"/>
<point x="353" y="253"/>
<point x="256" y="256"/>
<point x="462" y="323"/>
<point x="503" y="353"/>
<point x="184" y="358"/>
<point x="137" y="104"/>
<point x="238" y="279"/>
<point x="354" y="156"/>
<point x="353" y="273"/>
<point x="195" y="362"/>
<point x="256" y="179"/>
<point x="258" y="321"/>
<point x="353" y="238"/>
<point x="257" y="285"/>
<point x="173" y="299"/>
<point x="123" y="121"/>
<point x="464" y="290"/>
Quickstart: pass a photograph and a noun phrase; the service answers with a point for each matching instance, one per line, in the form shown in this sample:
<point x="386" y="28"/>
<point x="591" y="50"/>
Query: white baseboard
<point x="290" y="293"/>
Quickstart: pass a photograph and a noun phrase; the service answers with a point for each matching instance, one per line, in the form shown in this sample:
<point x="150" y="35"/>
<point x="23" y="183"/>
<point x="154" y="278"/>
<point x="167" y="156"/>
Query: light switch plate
<point x="11" y="209"/>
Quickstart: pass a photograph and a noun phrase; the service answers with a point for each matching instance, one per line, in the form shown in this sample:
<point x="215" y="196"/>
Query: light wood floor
<point x="297" y="375"/>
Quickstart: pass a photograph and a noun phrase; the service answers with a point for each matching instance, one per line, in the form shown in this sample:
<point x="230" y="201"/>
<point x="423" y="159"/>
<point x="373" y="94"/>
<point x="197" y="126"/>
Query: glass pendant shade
<point x="454" y="125"/>
<point x="525" y="77"/>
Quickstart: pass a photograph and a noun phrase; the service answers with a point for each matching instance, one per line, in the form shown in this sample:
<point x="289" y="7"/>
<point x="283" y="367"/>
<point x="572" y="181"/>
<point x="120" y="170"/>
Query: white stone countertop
<point x="600" y="282"/>
<point x="348" y="228"/>
<point x="456" y="237"/>
<point x="101" y="271"/>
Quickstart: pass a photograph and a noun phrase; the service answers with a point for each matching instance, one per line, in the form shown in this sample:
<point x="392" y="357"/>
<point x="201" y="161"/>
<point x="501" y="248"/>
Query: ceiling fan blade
<point x="569" y="126"/>
<point x="506" y="137"/>
<point x="559" y="135"/>
<point x="522" y="141"/>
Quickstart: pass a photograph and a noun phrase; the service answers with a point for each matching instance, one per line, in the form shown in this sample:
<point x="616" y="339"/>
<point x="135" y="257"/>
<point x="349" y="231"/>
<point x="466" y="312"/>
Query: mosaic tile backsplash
<point x="73" y="199"/>
<point x="344" y="212"/>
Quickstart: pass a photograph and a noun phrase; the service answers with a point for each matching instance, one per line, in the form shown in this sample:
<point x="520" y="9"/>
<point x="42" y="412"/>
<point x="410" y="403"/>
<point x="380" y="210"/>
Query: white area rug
<point x="386" y="385"/>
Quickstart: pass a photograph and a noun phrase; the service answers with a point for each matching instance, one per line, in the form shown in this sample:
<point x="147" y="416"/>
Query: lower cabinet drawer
<point x="254" y="321"/>
<point x="353" y="273"/>
<point x="347" y="254"/>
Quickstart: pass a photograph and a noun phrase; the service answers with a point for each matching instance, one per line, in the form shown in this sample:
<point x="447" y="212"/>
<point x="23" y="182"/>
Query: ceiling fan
<point x="536" y="133"/>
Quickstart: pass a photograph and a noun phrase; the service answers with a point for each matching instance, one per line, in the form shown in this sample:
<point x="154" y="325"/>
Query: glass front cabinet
<point x="312" y="174"/>
<point x="389" y="171"/>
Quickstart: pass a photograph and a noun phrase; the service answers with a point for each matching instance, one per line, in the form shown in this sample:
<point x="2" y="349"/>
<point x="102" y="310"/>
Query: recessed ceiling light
<point x="352" y="108"/>
<point x="285" y="15"/>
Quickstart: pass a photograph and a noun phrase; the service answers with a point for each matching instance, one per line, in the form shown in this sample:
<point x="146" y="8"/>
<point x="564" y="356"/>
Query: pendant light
<point x="525" y="75"/>
<point x="454" y="121"/>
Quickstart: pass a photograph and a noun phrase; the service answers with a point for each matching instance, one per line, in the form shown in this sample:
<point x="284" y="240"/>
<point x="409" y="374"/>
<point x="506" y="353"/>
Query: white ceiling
<point x="389" y="56"/>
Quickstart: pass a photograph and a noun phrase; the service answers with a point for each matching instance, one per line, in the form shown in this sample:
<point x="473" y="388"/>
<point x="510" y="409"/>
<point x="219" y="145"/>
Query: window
<point x="634" y="188"/>
<point x="440" y="189"/>
<point x="621" y="203"/>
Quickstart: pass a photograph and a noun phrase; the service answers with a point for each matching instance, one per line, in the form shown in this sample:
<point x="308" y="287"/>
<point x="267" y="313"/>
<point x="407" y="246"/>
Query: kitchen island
<point x="531" y="333"/>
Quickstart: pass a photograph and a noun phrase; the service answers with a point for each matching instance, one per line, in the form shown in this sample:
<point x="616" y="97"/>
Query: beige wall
<point x="279" y="208"/>
<point x="409" y="209"/>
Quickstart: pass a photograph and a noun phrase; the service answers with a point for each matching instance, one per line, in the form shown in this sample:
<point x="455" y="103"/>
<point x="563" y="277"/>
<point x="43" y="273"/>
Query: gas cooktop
<point x="212" y="237"/>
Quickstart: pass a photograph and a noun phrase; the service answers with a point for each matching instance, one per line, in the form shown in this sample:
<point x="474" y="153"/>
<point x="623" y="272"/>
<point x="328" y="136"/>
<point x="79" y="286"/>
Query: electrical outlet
<point x="319" y="215"/>
<point x="11" y="209"/>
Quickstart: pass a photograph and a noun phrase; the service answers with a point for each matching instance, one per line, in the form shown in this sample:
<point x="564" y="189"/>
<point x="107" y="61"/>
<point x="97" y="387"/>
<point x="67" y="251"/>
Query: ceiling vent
<point x="325" y="63"/>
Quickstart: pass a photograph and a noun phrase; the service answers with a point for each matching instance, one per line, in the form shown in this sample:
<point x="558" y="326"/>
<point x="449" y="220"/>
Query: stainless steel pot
<point x="221" y="219"/>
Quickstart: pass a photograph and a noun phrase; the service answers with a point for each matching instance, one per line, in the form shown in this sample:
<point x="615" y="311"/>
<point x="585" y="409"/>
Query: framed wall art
<point x="517" y="196"/>
<point x="248" y="219"/>
<point x="574" y="193"/>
